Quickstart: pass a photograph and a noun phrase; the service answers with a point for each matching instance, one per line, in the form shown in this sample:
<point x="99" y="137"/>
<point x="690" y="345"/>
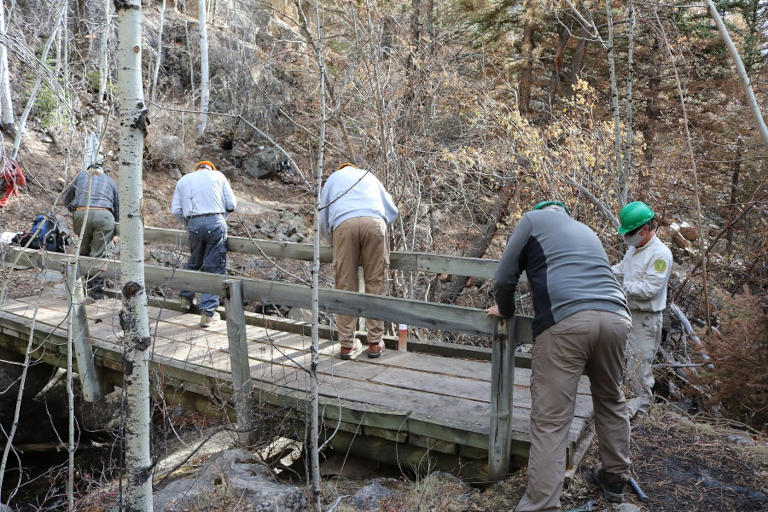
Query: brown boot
<point x="612" y="485"/>
<point x="349" y="352"/>
<point x="375" y="349"/>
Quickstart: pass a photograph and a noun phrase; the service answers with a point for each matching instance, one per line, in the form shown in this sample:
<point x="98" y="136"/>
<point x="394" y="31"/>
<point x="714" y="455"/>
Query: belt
<point x="204" y="215"/>
<point x="92" y="208"/>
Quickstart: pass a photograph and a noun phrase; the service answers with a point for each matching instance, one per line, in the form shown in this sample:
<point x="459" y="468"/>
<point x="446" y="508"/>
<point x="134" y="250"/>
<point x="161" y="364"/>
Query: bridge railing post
<point x="86" y="367"/>
<point x="502" y="390"/>
<point x="238" y="359"/>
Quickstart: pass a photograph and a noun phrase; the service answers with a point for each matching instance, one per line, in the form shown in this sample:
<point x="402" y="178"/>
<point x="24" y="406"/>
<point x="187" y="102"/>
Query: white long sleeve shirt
<point x="202" y="192"/>
<point x="646" y="273"/>
<point x="351" y="192"/>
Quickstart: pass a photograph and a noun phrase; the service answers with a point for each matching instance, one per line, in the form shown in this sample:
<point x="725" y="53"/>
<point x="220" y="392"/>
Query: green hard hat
<point x="633" y="216"/>
<point x="544" y="204"/>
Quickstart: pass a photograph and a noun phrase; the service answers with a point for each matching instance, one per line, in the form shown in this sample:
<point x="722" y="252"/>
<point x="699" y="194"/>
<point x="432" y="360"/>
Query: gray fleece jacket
<point x="567" y="269"/>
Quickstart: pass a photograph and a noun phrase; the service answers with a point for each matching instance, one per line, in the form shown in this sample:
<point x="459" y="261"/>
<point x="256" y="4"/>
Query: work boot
<point x="612" y="485"/>
<point x="349" y="352"/>
<point x="375" y="349"/>
<point x="206" y="320"/>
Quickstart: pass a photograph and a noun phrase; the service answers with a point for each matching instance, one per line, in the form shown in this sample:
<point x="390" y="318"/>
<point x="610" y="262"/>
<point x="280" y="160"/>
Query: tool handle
<point x="640" y="494"/>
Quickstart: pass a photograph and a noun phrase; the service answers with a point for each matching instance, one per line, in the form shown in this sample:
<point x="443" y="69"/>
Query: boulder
<point x="689" y="232"/>
<point x="103" y="414"/>
<point x="677" y="238"/>
<point x="237" y="472"/>
<point x="300" y="314"/>
<point x="264" y="164"/>
<point x="368" y="497"/>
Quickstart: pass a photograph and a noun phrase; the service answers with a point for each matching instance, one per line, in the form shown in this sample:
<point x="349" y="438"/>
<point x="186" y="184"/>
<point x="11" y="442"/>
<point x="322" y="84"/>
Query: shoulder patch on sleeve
<point x="660" y="265"/>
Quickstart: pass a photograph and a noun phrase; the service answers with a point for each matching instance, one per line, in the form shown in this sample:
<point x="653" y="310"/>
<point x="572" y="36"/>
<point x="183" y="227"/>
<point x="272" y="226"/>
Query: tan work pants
<point x="644" y="341"/>
<point x="589" y="342"/>
<point x="360" y="241"/>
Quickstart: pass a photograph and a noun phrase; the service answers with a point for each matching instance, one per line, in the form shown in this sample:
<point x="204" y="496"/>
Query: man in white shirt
<point x="645" y="268"/>
<point x="355" y="210"/>
<point x="203" y="200"/>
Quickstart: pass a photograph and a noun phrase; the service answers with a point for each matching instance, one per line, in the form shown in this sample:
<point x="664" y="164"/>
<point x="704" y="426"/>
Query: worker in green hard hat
<point x="645" y="269"/>
<point x="581" y="326"/>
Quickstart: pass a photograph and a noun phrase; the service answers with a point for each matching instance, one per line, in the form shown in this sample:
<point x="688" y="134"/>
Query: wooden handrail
<point x="391" y="309"/>
<point x="418" y="261"/>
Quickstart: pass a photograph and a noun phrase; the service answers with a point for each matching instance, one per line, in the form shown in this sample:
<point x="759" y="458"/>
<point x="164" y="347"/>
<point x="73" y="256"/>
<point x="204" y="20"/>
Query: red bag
<point x="12" y="178"/>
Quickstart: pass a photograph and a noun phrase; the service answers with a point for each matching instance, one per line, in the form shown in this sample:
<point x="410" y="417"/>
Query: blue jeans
<point x="208" y="253"/>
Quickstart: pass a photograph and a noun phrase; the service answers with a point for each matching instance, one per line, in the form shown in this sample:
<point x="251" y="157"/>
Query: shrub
<point x="739" y="381"/>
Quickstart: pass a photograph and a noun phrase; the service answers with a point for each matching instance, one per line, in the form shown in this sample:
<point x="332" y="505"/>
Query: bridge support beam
<point x="89" y="378"/>
<point x="238" y="360"/>
<point x="502" y="385"/>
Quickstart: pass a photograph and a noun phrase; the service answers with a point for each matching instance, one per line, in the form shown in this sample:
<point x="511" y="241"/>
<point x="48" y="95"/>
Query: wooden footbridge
<point x="434" y="404"/>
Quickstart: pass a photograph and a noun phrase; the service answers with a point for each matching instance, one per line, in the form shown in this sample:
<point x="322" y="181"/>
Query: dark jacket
<point x="567" y="269"/>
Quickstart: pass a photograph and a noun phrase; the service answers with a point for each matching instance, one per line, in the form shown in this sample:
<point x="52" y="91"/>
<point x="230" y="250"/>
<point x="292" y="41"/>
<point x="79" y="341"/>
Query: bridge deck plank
<point x="445" y="399"/>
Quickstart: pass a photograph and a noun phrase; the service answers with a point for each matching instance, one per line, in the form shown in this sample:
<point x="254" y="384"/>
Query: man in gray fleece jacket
<point x="581" y="325"/>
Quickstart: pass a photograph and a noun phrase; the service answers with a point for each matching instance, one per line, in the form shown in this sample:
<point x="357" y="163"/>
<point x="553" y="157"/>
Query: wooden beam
<point x="417" y="261"/>
<point x="502" y="385"/>
<point x="238" y="360"/>
<point x="391" y="309"/>
<point x="89" y="377"/>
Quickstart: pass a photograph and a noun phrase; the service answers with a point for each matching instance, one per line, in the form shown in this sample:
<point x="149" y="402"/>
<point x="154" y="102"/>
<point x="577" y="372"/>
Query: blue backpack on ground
<point x="44" y="234"/>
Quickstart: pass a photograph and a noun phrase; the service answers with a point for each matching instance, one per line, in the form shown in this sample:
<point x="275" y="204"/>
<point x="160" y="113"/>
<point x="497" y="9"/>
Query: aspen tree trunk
<point x="745" y="83"/>
<point x="64" y="62"/>
<point x="7" y="120"/>
<point x="622" y="179"/>
<point x="204" y="79"/>
<point x="630" y="77"/>
<point x="36" y="88"/>
<point x="95" y="141"/>
<point x="159" y="53"/>
<point x="103" y="68"/>
<point x="133" y="317"/>
<point x="315" y="418"/>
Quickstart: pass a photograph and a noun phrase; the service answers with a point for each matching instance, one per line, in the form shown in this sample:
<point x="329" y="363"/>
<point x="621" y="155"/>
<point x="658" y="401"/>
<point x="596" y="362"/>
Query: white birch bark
<point x="745" y="82"/>
<point x="72" y="280"/>
<point x="156" y="72"/>
<point x="630" y="78"/>
<point x="132" y="114"/>
<point x="204" y="79"/>
<point x="64" y="63"/>
<point x="315" y="418"/>
<point x="95" y="140"/>
<point x="622" y="181"/>
<point x="103" y="68"/>
<point x="36" y="88"/>
<point x="6" y="105"/>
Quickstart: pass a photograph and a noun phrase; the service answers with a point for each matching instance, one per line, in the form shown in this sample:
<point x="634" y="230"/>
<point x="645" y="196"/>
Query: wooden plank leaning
<point x="238" y="360"/>
<point x="502" y="385"/>
<point x="89" y="378"/>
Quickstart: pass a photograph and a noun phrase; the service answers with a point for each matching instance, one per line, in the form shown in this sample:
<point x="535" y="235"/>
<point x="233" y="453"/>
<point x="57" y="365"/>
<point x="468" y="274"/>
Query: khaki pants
<point x="360" y="241"/>
<point x="644" y="341"/>
<point x="99" y="231"/>
<point x="590" y="342"/>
